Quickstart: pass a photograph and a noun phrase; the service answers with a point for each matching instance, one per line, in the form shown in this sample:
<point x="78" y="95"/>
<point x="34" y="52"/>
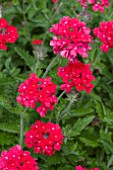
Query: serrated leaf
<point x="106" y="141"/>
<point x="89" y="142"/>
<point x="80" y="112"/>
<point x="95" y="97"/>
<point x="11" y="128"/>
<point x="29" y="60"/>
<point x="5" y="104"/>
<point x="100" y="108"/>
<point x="7" y="63"/>
<point x="4" y="81"/>
<point x="107" y="145"/>
<point x="80" y="125"/>
<point x="55" y="159"/>
<point x="7" y="138"/>
<point x="109" y="119"/>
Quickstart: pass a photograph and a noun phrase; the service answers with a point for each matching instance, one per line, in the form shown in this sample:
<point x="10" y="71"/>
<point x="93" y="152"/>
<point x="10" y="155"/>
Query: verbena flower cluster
<point x="71" y="40"/>
<point x="79" y="167"/>
<point x="37" y="42"/>
<point x="71" y="37"/>
<point x="54" y="1"/>
<point x="8" y="34"/>
<point x="40" y="90"/>
<point x="105" y="33"/>
<point x="17" y="159"/>
<point x="44" y="137"/>
<point x="96" y="4"/>
<point x="76" y="74"/>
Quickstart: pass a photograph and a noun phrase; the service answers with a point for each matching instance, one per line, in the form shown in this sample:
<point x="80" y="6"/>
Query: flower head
<point x="16" y="158"/>
<point x="105" y="33"/>
<point x="76" y="74"/>
<point x="37" y="42"/>
<point x="44" y="137"/>
<point x="79" y="167"/>
<point x="71" y="37"/>
<point x="97" y="5"/>
<point x="8" y="34"/>
<point x="54" y="1"/>
<point x="39" y="90"/>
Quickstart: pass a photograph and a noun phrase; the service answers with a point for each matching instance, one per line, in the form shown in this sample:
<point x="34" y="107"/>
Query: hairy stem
<point x="49" y="67"/>
<point x="61" y="95"/>
<point x="109" y="162"/>
<point x="66" y="110"/>
<point x="21" y="128"/>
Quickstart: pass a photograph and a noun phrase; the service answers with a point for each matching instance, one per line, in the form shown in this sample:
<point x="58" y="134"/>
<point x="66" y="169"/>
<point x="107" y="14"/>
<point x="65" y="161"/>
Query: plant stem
<point x="61" y="95"/>
<point x="36" y="66"/>
<point x="65" y="111"/>
<point x="109" y="162"/>
<point x="0" y="10"/>
<point x="21" y="128"/>
<point x="49" y="67"/>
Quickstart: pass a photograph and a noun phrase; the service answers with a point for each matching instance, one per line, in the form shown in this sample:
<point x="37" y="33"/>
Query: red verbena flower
<point x="44" y="137"/>
<point x="17" y="159"/>
<point x="8" y="34"/>
<point x="105" y="33"/>
<point x="96" y="4"/>
<point x="54" y="1"/>
<point x="37" y="42"/>
<point x="79" y="167"/>
<point x="76" y="74"/>
<point x="72" y="37"/>
<point x="40" y="90"/>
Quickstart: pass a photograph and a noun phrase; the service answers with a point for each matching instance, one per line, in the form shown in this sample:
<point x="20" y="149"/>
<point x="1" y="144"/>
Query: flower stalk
<point x="49" y="67"/>
<point x="73" y="99"/>
<point x="21" y="128"/>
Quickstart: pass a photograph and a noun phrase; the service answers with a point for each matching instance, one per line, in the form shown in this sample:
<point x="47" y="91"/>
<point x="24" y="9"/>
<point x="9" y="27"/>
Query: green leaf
<point x="31" y="12"/>
<point x="5" y="104"/>
<point x="8" y="80"/>
<point x="15" y="2"/>
<point x="7" y="138"/>
<point x="80" y="112"/>
<point x="95" y="97"/>
<point x="29" y="60"/>
<point x="100" y="108"/>
<point x="9" y="127"/>
<point x="106" y="141"/>
<point x="109" y="119"/>
<point x="89" y="142"/>
<point x="55" y="159"/>
<point x="80" y="125"/>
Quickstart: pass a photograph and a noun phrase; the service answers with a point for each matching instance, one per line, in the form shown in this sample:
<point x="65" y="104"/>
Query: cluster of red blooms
<point x="97" y="4"/>
<point x="81" y="168"/>
<point x="8" y="34"/>
<point x="16" y="158"/>
<point x="40" y="90"/>
<point x="72" y="37"/>
<point x="76" y="74"/>
<point x="37" y="42"/>
<point x="105" y="34"/>
<point x="44" y="137"/>
<point x="54" y="1"/>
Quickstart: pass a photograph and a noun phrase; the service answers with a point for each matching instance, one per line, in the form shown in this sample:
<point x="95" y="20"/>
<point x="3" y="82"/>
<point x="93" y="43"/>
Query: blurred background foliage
<point x="88" y="124"/>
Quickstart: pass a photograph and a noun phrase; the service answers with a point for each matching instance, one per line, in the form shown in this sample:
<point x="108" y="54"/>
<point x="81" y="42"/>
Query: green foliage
<point x="88" y="123"/>
<point x="25" y="56"/>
